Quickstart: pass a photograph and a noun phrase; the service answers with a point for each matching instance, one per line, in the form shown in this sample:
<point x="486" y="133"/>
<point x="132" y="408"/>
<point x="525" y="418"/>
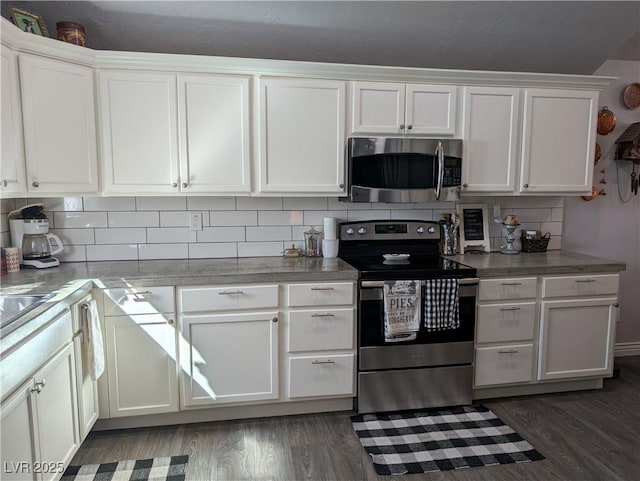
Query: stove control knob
<point x="431" y="230"/>
<point x="420" y="230"/>
<point x="362" y="231"/>
<point x="350" y="231"/>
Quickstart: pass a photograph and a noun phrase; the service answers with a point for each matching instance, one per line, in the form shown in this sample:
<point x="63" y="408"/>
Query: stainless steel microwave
<point x="398" y="169"/>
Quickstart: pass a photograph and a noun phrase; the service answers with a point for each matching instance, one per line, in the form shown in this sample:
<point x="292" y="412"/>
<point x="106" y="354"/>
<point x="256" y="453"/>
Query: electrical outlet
<point x="195" y="221"/>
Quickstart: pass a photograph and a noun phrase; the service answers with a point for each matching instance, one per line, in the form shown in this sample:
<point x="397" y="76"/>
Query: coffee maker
<point x="30" y="234"/>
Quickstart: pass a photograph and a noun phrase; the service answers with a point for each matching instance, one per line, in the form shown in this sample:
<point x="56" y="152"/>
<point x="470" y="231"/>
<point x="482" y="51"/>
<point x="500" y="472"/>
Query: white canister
<point x="330" y="248"/>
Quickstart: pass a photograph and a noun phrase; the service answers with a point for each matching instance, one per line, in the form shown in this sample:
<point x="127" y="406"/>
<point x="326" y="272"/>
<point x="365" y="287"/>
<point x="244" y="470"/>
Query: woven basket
<point x="535" y="245"/>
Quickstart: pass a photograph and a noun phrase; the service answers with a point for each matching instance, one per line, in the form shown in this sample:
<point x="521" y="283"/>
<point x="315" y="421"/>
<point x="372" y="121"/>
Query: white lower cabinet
<point x="229" y="358"/>
<point x="504" y="365"/>
<point x="314" y="376"/>
<point x="40" y="422"/>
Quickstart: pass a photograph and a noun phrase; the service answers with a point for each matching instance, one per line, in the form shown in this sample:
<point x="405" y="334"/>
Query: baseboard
<point x="623" y="349"/>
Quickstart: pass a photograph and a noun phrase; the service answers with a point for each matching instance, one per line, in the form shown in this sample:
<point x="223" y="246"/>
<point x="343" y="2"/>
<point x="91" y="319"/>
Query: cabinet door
<point x="87" y="388"/>
<point x="430" y="109"/>
<point x="59" y="126"/>
<point x="576" y="338"/>
<point x="19" y="445"/>
<point x="302" y="136"/>
<point x="57" y="410"/>
<point x="377" y="108"/>
<point x="12" y="173"/>
<point x="490" y="136"/>
<point x="141" y="364"/>
<point x="139" y="132"/>
<point x="229" y="358"/>
<point x="214" y="134"/>
<point x="558" y="140"/>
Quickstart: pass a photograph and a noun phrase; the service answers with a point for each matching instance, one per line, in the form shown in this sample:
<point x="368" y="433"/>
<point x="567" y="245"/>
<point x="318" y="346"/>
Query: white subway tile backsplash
<point x="161" y="203"/>
<point x="316" y="217"/>
<point x="222" y="234"/>
<point x="79" y="220"/>
<point x="163" y="251"/>
<point x="4" y="222"/>
<point x="75" y="236"/>
<point x="233" y="218"/>
<point x="257" y="249"/>
<point x="336" y="204"/>
<point x="61" y="204"/>
<point x="259" y="203"/>
<point x="361" y="215"/>
<point x="124" y="235"/>
<point x="557" y="215"/>
<point x="77" y="253"/>
<point x="417" y="214"/>
<point x="305" y="203"/>
<point x="109" y="204"/>
<point x="211" y="203"/>
<point x="555" y="242"/>
<point x="166" y="235"/>
<point x="442" y="206"/>
<point x="175" y="219"/>
<point x="213" y="250"/>
<point x="554" y="228"/>
<point x="5" y="239"/>
<point x="7" y="205"/>
<point x="134" y="219"/>
<point x="557" y="202"/>
<point x="531" y="215"/>
<point x="124" y="252"/>
<point x="268" y="233"/>
<point x="294" y="217"/>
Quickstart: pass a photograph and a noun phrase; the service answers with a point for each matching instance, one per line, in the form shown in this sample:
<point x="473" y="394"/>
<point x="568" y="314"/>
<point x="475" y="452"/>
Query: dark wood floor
<point x="587" y="435"/>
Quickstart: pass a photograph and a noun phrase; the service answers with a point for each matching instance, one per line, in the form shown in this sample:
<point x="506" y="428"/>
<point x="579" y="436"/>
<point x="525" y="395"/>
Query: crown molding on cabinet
<point x="26" y="42"/>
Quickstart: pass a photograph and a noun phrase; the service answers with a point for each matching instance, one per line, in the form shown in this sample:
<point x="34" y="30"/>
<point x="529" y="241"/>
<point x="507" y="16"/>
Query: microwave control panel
<point x="452" y="174"/>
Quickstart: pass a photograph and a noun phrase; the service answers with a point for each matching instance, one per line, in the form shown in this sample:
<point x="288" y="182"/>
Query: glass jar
<point x="312" y="242"/>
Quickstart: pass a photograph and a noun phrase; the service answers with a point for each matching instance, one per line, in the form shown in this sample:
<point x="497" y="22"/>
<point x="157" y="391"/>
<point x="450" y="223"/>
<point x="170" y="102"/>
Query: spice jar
<point x="312" y="239"/>
<point x="71" y="32"/>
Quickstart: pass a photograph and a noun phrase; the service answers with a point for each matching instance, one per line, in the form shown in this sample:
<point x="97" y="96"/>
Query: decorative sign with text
<point x="474" y="229"/>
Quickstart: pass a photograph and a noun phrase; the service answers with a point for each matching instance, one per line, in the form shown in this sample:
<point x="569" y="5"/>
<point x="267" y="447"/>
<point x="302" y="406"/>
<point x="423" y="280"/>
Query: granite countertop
<point x="540" y="263"/>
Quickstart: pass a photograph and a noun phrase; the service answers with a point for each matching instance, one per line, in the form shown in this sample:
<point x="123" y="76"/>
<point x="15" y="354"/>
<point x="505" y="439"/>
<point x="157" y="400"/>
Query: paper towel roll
<point x="330" y="228"/>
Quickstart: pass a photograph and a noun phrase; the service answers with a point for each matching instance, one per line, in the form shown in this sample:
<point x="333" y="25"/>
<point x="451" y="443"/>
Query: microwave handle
<point x="440" y="154"/>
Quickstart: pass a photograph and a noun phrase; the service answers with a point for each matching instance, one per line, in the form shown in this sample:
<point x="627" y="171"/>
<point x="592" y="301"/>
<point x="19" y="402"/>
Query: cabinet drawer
<point x="141" y="300"/>
<point x="324" y="294"/>
<point x="227" y="298"/>
<point x="506" y="322"/>
<point x="514" y="288"/>
<point x="321" y="376"/>
<point x="571" y="286"/>
<point x="321" y="330"/>
<point x="504" y="364"/>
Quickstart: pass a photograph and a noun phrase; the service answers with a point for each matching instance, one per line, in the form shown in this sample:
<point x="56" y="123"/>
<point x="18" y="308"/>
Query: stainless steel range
<point x="429" y="367"/>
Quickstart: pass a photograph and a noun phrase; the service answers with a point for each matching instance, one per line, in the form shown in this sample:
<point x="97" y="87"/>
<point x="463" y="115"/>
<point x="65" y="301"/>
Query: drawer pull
<point x="322" y="288"/>
<point x="511" y="283"/>
<point x="328" y="361"/>
<point x="326" y="314"/>
<point x="509" y="309"/>
<point x="229" y="293"/>
<point x="135" y="296"/>
<point x="508" y="351"/>
<point x="585" y="280"/>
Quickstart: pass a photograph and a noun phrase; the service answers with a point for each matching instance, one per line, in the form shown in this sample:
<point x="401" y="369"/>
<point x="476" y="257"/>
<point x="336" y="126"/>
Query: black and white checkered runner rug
<point x="155" y="469"/>
<point x="440" y="439"/>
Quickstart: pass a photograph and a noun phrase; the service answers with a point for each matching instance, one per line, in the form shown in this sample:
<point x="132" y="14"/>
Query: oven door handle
<point x="467" y="281"/>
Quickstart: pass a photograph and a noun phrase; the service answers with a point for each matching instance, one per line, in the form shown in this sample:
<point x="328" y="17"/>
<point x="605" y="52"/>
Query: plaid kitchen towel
<point x="441" y="309"/>
<point x="171" y="468"/>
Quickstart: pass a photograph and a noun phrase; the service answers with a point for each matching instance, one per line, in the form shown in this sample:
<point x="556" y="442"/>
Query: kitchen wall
<point x="609" y="226"/>
<point x="139" y="228"/>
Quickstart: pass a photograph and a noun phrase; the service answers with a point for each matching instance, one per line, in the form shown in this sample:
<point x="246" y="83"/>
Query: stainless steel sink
<point x="13" y="306"/>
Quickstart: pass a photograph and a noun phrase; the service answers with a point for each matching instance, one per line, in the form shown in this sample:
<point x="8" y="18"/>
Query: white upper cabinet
<point x="558" y="141"/>
<point x="139" y="125"/>
<point x="302" y="136"/>
<point x="59" y="126"/>
<point x="398" y="108"/>
<point x="167" y="133"/>
<point x="490" y="139"/>
<point x="12" y="173"/>
<point x="214" y="134"/>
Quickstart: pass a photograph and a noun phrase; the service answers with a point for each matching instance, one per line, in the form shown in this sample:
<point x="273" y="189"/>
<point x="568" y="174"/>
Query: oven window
<point x="371" y="322"/>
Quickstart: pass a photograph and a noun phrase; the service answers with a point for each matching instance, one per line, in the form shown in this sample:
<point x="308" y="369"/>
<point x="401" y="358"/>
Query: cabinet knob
<point x="616" y="305"/>
<point x="184" y="185"/>
<point x="409" y="126"/>
<point x="341" y="186"/>
<point x="170" y="322"/>
<point x="526" y="186"/>
<point x="4" y="183"/>
<point x="35" y="184"/>
<point x="401" y="126"/>
<point x="274" y="320"/>
<point x="174" y="185"/>
<point x="465" y="185"/>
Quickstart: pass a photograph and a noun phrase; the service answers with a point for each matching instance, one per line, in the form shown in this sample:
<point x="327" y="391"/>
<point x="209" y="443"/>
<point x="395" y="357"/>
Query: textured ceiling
<point x="559" y="37"/>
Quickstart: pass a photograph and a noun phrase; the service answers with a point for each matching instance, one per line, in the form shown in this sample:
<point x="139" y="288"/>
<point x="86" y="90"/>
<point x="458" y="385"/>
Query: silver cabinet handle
<point x="616" y="305"/>
<point x="35" y="184"/>
<point x="170" y="322"/>
<point x="326" y="314"/>
<point x="465" y="185"/>
<point x="328" y="361"/>
<point x="401" y="126"/>
<point x="140" y="293"/>
<point x="440" y="154"/>
<point x="511" y="283"/>
<point x="341" y="186"/>
<point x="229" y="293"/>
<point x="38" y="386"/>
<point x="502" y="309"/>
<point x="409" y="126"/>
<point x="184" y="185"/>
<point x="508" y="351"/>
<point x="322" y="288"/>
<point x="526" y="186"/>
<point x="36" y="389"/>
<point x="585" y="280"/>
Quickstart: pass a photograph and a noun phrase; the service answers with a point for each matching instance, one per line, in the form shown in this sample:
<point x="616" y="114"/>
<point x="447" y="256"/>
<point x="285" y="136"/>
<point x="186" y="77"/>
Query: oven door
<point x="439" y="348"/>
